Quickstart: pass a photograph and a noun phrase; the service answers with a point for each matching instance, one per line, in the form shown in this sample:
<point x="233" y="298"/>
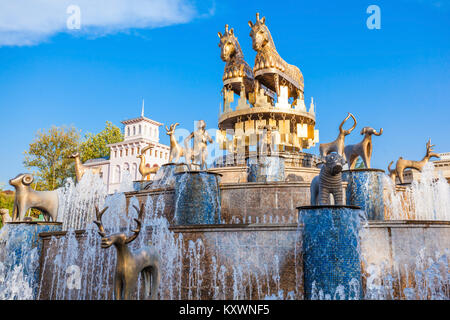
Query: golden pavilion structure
<point x="269" y="109"/>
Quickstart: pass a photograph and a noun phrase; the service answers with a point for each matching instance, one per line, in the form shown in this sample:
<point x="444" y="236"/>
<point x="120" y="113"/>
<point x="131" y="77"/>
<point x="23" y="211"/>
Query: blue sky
<point x="396" y="77"/>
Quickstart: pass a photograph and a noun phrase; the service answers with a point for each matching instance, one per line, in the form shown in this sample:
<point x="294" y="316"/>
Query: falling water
<point x="427" y="199"/>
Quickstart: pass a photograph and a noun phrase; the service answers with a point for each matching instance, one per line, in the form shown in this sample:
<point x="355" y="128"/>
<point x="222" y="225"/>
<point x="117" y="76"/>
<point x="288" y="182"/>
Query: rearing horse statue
<point x="269" y="66"/>
<point x="238" y="74"/>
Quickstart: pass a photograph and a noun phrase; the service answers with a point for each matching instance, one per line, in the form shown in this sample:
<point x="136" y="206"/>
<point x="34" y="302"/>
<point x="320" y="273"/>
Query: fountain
<point x="263" y="237"/>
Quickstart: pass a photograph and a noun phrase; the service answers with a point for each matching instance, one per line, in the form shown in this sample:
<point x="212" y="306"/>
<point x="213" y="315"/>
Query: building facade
<point x="138" y="133"/>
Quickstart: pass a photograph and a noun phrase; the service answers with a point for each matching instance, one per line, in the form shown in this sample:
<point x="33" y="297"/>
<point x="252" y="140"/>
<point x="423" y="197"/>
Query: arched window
<point x="134" y="130"/>
<point x="140" y="129"/>
<point x="128" y="131"/>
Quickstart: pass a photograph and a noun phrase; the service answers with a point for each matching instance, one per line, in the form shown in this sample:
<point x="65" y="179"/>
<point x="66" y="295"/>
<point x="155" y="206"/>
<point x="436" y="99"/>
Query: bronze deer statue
<point x="403" y="164"/>
<point x="80" y="168"/>
<point x="337" y="145"/>
<point x="131" y="263"/>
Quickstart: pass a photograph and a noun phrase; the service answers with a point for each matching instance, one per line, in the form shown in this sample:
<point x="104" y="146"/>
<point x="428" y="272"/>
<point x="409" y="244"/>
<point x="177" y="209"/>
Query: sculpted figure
<point x="403" y="164"/>
<point x="392" y="172"/>
<point x="362" y="149"/>
<point x="338" y="144"/>
<point x="176" y="151"/>
<point x="143" y="169"/>
<point x="237" y="74"/>
<point x="4" y="213"/>
<point x="130" y="264"/>
<point x="80" y="169"/>
<point x="328" y="181"/>
<point x="269" y="66"/>
<point x="26" y="198"/>
<point x="201" y="139"/>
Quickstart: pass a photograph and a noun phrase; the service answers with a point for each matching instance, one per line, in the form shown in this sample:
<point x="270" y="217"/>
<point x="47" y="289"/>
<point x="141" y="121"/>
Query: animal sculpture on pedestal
<point x="143" y="169"/>
<point x="329" y="181"/>
<point x="270" y="69"/>
<point x="338" y="144"/>
<point x="403" y="164"/>
<point x="362" y="149"/>
<point x="131" y="263"/>
<point x="176" y="151"/>
<point x="238" y="75"/>
<point x="26" y="198"/>
<point x="81" y="169"/>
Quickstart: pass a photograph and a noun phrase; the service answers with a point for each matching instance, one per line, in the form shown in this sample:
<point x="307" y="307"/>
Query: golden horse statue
<point x="238" y="74"/>
<point x="270" y="69"/>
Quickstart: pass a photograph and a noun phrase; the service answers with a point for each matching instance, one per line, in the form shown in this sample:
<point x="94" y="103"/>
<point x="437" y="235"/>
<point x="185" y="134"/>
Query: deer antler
<point x="136" y="231"/>
<point x="429" y="146"/>
<point x="98" y="222"/>
<point x="346" y="132"/>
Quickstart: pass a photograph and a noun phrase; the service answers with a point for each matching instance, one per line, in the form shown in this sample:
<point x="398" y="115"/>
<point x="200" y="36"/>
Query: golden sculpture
<point x="271" y="94"/>
<point x="270" y="69"/>
<point x="403" y="164"/>
<point x="26" y="198"/>
<point x="338" y="144"/>
<point x="201" y="138"/>
<point x="238" y="75"/>
<point x="362" y="149"/>
<point x="130" y="264"/>
<point x="143" y="169"/>
<point x="176" y="151"/>
<point x="392" y="172"/>
<point x="80" y="169"/>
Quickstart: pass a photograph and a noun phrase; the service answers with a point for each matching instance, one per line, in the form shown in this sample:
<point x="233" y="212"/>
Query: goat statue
<point x="26" y="198"/>
<point x="176" y="151"/>
<point x="338" y="144"/>
<point x="130" y="264"/>
<point x="80" y="168"/>
<point x="329" y="181"/>
<point x="362" y="149"/>
<point x="403" y="164"/>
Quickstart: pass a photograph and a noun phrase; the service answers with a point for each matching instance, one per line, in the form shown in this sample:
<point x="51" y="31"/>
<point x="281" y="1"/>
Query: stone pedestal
<point x="331" y="252"/>
<point x="20" y="252"/>
<point x="365" y="189"/>
<point x="265" y="168"/>
<point x="197" y="198"/>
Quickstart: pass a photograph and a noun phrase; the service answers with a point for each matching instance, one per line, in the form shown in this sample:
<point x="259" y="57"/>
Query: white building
<point x="138" y="133"/>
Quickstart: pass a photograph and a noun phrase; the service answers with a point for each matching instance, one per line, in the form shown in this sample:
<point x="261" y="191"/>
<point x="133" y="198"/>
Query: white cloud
<point x="28" y="22"/>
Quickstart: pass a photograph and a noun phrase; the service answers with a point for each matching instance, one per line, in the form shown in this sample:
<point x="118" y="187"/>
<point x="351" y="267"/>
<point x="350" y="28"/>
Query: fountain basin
<point x="265" y="168"/>
<point x="20" y="250"/>
<point x="331" y="252"/>
<point x="366" y="189"/>
<point x="197" y="198"/>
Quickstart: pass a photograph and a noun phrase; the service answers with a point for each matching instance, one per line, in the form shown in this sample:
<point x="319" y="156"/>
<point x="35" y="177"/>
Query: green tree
<point x="95" y="146"/>
<point x="49" y="154"/>
<point x="360" y="164"/>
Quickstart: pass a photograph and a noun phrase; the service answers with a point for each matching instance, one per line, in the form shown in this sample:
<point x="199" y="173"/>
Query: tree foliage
<point x="360" y="164"/>
<point x="49" y="154"/>
<point x="95" y="145"/>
